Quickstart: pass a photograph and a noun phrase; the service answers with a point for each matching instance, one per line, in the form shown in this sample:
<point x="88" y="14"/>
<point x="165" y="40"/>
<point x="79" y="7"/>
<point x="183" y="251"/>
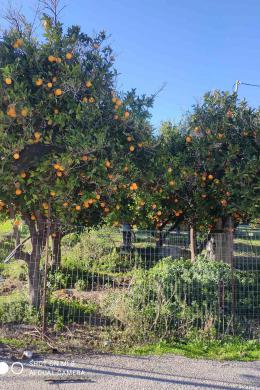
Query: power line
<point x="238" y="82"/>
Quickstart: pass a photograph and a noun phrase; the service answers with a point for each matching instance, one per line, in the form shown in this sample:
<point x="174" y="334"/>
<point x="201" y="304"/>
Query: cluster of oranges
<point x="12" y="113"/>
<point x="59" y="169"/>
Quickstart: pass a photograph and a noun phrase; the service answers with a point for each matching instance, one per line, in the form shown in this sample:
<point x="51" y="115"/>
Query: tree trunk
<point x="34" y="281"/>
<point x="222" y="239"/>
<point x="38" y="240"/>
<point x="193" y="244"/>
<point x="159" y="239"/>
<point x="56" y="250"/>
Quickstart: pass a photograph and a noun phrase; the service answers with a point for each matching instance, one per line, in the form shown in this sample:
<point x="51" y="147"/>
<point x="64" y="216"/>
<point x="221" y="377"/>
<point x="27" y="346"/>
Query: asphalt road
<point x="126" y="372"/>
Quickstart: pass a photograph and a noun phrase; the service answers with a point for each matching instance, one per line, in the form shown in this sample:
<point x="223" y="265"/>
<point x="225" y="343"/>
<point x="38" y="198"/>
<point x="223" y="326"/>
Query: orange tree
<point x="206" y="171"/>
<point x="68" y="141"/>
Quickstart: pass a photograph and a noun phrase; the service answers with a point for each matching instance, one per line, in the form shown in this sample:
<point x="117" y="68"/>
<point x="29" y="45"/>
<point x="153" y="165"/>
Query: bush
<point x="175" y="297"/>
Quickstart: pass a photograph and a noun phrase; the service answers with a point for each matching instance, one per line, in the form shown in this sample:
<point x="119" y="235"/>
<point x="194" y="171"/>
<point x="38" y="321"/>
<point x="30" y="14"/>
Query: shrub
<point x="176" y="296"/>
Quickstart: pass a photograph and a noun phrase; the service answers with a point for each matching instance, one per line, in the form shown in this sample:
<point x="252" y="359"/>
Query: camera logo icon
<point x="16" y="368"/>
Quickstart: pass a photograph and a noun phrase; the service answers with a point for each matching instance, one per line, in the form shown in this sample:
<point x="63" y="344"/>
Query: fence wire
<point x="140" y="281"/>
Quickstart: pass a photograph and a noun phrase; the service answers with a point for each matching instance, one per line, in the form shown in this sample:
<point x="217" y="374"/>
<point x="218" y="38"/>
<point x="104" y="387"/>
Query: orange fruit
<point x="85" y="99"/>
<point x="8" y="81"/>
<point x="53" y="193"/>
<point x="33" y="218"/>
<point x="126" y="168"/>
<point x="84" y="158"/>
<point x="65" y="204"/>
<point x="45" y="205"/>
<point x="119" y="102"/>
<point x="102" y="204"/>
<point x="49" y="85"/>
<point x="154" y="206"/>
<point x="58" y="92"/>
<point x="16" y="156"/>
<point x="133" y="186"/>
<point x="97" y="196"/>
<point x="140" y="145"/>
<point x="56" y="166"/>
<point x="18" y="191"/>
<point x="37" y="135"/>
<point x="188" y="139"/>
<point x="132" y="148"/>
<point x="59" y="174"/>
<point x="196" y="129"/>
<point x="88" y="84"/>
<point x="142" y="203"/>
<point x="86" y="204"/>
<point x="129" y="138"/>
<point x="23" y="175"/>
<point x="18" y="43"/>
<point x="210" y="177"/>
<point x="69" y="56"/>
<point x="126" y="114"/>
<point x="116" y="107"/>
<point x="77" y="207"/>
<point x="114" y="99"/>
<point x="106" y="209"/>
<point x="107" y="164"/>
<point x="172" y="183"/>
<point x="24" y="112"/>
<point x="159" y="213"/>
<point x="38" y="82"/>
<point x="51" y="58"/>
<point x="91" y="100"/>
<point x="11" y="111"/>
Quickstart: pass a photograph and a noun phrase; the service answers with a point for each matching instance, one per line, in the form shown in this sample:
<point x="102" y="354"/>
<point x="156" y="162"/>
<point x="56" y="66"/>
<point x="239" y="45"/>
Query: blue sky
<point x="192" y="46"/>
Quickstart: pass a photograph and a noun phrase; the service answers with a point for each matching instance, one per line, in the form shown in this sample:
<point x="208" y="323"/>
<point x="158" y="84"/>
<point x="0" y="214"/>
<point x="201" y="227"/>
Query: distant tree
<point x="206" y="174"/>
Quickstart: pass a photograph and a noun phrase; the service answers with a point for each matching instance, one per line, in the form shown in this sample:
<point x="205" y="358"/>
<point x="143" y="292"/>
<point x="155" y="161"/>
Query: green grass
<point x="5" y="227"/>
<point x="13" y="297"/>
<point x="25" y="343"/>
<point x="229" y="349"/>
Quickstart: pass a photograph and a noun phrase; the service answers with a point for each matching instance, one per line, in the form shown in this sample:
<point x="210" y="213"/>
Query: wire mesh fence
<point x="141" y="281"/>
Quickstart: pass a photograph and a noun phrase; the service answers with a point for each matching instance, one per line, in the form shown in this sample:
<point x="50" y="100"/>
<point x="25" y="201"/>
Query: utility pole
<point x="237" y="83"/>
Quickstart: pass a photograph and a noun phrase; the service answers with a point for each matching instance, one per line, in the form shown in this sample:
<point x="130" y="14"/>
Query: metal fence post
<point x="45" y="277"/>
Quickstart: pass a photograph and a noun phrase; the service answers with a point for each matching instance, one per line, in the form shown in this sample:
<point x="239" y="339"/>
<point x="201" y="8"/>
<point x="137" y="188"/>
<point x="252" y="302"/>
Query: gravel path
<point x="126" y="372"/>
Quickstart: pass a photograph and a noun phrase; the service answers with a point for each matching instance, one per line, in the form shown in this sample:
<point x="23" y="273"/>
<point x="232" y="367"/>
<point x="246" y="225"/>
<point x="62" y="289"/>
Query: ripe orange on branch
<point x="69" y="56"/>
<point x="24" y="112"/>
<point x="18" y="191"/>
<point x="16" y="156"/>
<point x="188" y="139"/>
<point x="133" y="187"/>
<point x="58" y="92"/>
<point x="11" y="111"/>
<point x="8" y="81"/>
<point x="38" y="82"/>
